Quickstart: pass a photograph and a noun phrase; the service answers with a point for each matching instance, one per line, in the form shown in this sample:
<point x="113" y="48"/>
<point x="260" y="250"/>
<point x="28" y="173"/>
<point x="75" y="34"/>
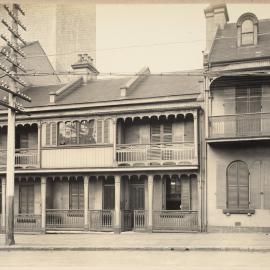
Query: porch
<point x="143" y="203"/>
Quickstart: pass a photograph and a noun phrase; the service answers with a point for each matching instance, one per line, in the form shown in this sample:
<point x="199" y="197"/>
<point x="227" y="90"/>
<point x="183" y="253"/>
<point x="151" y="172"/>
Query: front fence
<point x="177" y="153"/>
<point x="64" y="219"/>
<point x="101" y="220"/>
<point x="175" y="220"/>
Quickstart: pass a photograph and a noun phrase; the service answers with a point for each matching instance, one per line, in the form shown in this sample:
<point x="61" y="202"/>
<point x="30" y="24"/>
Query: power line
<point x="139" y="46"/>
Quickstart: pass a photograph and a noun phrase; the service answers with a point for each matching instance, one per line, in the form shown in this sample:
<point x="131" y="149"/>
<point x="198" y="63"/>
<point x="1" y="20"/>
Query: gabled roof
<point x="103" y="90"/>
<point x="225" y="48"/>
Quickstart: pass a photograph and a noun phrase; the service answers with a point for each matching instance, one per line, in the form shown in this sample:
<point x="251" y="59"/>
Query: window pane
<point x="247" y="39"/>
<point x="83" y="132"/>
<point x="61" y="133"/>
<point x="247" y="26"/>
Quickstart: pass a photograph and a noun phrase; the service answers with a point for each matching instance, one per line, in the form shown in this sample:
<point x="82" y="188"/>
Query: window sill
<point x="239" y="211"/>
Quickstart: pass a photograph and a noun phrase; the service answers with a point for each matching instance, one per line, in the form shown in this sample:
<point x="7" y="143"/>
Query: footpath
<point x="256" y="242"/>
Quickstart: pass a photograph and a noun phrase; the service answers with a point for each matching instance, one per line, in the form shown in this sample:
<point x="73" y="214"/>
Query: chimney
<point x="85" y="68"/>
<point x="216" y="17"/>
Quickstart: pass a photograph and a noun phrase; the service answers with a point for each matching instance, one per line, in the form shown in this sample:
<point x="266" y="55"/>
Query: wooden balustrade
<point x="140" y="220"/>
<point x="241" y="125"/>
<point x="175" y="220"/>
<point x="27" y="223"/>
<point x="24" y="158"/>
<point x="127" y="220"/>
<point x="101" y="220"/>
<point x="64" y="219"/>
<point x="177" y="153"/>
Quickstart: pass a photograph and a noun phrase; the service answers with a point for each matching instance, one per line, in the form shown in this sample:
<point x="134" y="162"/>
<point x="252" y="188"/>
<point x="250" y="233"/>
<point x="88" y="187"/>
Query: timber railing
<point x="178" y="153"/>
<point x="140" y="220"/>
<point x="239" y="125"/>
<point x="24" y="158"/>
<point x="101" y="220"/>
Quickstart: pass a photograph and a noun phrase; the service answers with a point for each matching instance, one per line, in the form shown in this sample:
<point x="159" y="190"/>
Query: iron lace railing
<point x="27" y="223"/>
<point x="177" y="153"/>
<point x="177" y="220"/>
<point x="65" y="219"/>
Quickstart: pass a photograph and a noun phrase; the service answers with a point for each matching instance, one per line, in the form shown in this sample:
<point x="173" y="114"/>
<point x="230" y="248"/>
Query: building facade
<point x="108" y="155"/>
<point x="237" y="131"/>
<point x="184" y="152"/>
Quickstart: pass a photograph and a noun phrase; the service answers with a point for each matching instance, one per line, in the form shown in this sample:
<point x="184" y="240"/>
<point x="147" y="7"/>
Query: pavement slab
<point x="141" y="241"/>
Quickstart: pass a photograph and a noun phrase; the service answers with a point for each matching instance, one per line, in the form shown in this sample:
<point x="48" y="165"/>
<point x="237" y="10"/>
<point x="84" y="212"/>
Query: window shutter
<point x="221" y="186"/>
<point x="107" y="131"/>
<point x="54" y="134"/>
<point x="99" y="131"/>
<point x="48" y="134"/>
<point x="266" y="186"/>
<point x="24" y="140"/>
<point x="167" y="133"/>
<point x="185" y="193"/>
<point x="232" y="186"/>
<point x="243" y="183"/>
<point x="155" y="133"/>
<point x="255" y="185"/>
<point x="189" y="130"/>
<point x="178" y="132"/>
<point x="30" y="198"/>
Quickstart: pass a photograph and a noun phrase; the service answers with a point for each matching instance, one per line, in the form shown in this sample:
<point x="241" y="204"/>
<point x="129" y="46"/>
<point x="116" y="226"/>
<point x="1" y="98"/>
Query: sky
<point x="165" y="37"/>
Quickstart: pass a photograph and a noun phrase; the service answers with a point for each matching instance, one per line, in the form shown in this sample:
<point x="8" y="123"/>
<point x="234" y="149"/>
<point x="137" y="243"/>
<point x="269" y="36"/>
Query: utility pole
<point x="11" y="53"/>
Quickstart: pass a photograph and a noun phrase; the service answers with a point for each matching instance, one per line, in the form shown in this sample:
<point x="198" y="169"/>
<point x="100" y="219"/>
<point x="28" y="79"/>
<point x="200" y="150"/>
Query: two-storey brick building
<point x="108" y="155"/>
<point x="237" y="62"/>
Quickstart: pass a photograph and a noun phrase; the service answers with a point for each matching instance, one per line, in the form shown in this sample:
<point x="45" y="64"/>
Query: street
<point x="133" y="260"/>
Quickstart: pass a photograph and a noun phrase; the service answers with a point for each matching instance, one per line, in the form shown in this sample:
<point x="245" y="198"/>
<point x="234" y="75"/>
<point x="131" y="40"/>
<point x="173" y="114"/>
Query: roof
<point x="109" y="90"/>
<point x="225" y="48"/>
<point x="35" y="61"/>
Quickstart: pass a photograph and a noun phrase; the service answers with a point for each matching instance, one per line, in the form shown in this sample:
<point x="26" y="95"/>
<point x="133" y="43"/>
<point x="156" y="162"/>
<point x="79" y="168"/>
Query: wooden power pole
<point x="10" y="53"/>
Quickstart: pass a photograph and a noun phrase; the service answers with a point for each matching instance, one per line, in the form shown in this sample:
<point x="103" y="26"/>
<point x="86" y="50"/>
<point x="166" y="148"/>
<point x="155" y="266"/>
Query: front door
<point x="137" y="197"/>
<point x="136" y="202"/>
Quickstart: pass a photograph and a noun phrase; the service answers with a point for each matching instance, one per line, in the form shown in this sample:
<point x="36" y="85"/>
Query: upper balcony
<point x="239" y="109"/>
<point x="145" y="140"/>
<point x="241" y="126"/>
<point x="157" y="140"/>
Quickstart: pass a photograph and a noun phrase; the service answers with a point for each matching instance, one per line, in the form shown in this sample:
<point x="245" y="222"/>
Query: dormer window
<point x="247" y="30"/>
<point x="247" y="33"/>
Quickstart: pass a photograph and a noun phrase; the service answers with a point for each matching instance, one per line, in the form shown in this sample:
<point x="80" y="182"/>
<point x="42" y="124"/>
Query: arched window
<point x="247" y="29"/>
<point x="237" y="185"/>
<point x="247" y="32"/>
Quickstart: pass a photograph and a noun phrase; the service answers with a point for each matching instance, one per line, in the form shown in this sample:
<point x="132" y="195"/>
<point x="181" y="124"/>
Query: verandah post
<point x="86" y="202"/>
<point x="43" y="203"/>
<point x="117" y="213"/>
<point x="150" y="202"/>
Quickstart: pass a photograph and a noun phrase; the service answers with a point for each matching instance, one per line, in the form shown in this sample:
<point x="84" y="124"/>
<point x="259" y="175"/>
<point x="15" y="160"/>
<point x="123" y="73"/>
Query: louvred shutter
<point x="107" y="131"/>
<point x="185" y="193"/>
<point x="99" y="131"/>
<point x="243" y="179"/>
<point x="255" y="185"/>
<point x="232" y="187"/>
<point x="266" y="186"/>
<point x="48" y="134"/>
<point x="54" y="133"/>
<point x="221" y="186"/>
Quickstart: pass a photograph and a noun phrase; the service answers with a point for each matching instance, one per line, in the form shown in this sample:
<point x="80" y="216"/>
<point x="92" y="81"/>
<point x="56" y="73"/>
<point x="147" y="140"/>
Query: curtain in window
<point x="247" y="37"/>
